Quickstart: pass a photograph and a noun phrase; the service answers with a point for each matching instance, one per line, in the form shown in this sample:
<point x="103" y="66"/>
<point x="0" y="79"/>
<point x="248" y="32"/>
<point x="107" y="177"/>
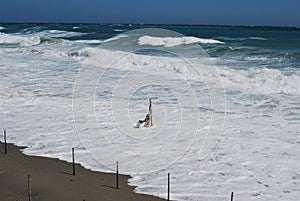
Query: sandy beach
<point x="52" y="180"/>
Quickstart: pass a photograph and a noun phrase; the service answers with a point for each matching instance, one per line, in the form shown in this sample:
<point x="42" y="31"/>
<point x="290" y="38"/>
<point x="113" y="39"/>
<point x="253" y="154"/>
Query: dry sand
<point x="52" y="180"/>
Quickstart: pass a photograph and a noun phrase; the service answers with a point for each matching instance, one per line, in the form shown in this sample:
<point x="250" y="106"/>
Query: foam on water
<point x="241" y="39"/>
<point x="89" y="41"/>
<point x="261" y="81"/>
<point x="115" y="38"/>
<point x="175" y="41"/>
<point x="59" y="33"/>
<point x="25" y="41"/>
<point x="118" y="30"/>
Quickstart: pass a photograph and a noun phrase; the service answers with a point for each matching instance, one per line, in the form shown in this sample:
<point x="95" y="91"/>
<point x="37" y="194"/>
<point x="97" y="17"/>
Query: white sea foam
<point x="25" y="41"/>
<point x="34" y="39"/>
<point x="59" y="33"/>
<point x="115" y="38"/>
<point x="241" y="39"/>
<point x="1" y="28"/>
<point x="257" y="38"/>
<point x="82" y="53"/>
<point x="261" y="81"/>
<point x="255" y="81"/>
<point x="175" y="41"/>
<point x="89" y="41"/>
<point x="118" y="30"/>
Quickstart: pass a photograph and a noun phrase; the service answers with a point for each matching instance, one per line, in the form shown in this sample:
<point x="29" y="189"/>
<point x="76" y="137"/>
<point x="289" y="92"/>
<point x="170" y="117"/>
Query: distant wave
<point x="118" y="30"/>
<point x="115" y="38"/>
<point x="257" y="38"/>
<point x="89" y="41"/>
<point x="24" y="41"/>
<point x="241" y="39"/>
<point x="60" y="34"/>
<point x="175" y="41"/>
<point x="1" y="28"/>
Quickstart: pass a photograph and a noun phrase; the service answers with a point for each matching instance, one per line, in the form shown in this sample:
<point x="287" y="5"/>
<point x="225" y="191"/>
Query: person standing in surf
<point x="148" y="119"/>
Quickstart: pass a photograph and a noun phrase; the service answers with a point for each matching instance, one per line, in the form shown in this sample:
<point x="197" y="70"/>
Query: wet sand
<point x="52" y="180"/>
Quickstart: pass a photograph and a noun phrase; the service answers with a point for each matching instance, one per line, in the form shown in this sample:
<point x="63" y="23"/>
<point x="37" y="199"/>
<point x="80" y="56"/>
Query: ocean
<point x="225" y="101"/>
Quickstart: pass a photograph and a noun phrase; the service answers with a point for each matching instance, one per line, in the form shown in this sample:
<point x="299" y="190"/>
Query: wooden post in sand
<point x="168" y="186"/>
<point x="73" y="159"/>
<point x="5" y="145"/>
<point x="231" y="196"/>
<point x="150" y="111"/>
<point x="117" y="175"/>
<point x="29" y="187"/>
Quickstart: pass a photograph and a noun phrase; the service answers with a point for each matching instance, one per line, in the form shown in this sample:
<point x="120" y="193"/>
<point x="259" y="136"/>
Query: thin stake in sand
<point x="168" y="186"/>
<point x="231" y="196"/>
<point x="29" y="187"/>
<point x="5" y="145"/>
<point x="73" y="159"/>
<point x="150" y="111"/>
<point x="117" y="175"/>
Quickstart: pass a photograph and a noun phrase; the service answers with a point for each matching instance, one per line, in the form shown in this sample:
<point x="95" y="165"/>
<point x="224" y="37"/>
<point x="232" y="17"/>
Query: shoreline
<point x="53" y="179"/>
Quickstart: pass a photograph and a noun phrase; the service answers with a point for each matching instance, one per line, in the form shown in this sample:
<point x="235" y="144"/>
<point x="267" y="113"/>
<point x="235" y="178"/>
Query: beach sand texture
<point x="52" y="180"/>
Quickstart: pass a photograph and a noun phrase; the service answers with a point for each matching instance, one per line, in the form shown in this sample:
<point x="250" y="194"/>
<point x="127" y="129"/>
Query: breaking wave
<point x="261" y="81"/>
<point x="23" y="41"/>
<point x="115" y="38"/>
<point x="175" y="41"/>
<point x="252" y="80"/>
<point x="60" y="34"/>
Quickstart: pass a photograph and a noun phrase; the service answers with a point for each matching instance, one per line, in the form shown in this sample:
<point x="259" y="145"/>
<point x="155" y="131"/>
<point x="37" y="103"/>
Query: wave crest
<point x="261" y="81"/>
<point x="175" y="41"/>
<point x="24" y="41"/>
<point x="60" y="34"/>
